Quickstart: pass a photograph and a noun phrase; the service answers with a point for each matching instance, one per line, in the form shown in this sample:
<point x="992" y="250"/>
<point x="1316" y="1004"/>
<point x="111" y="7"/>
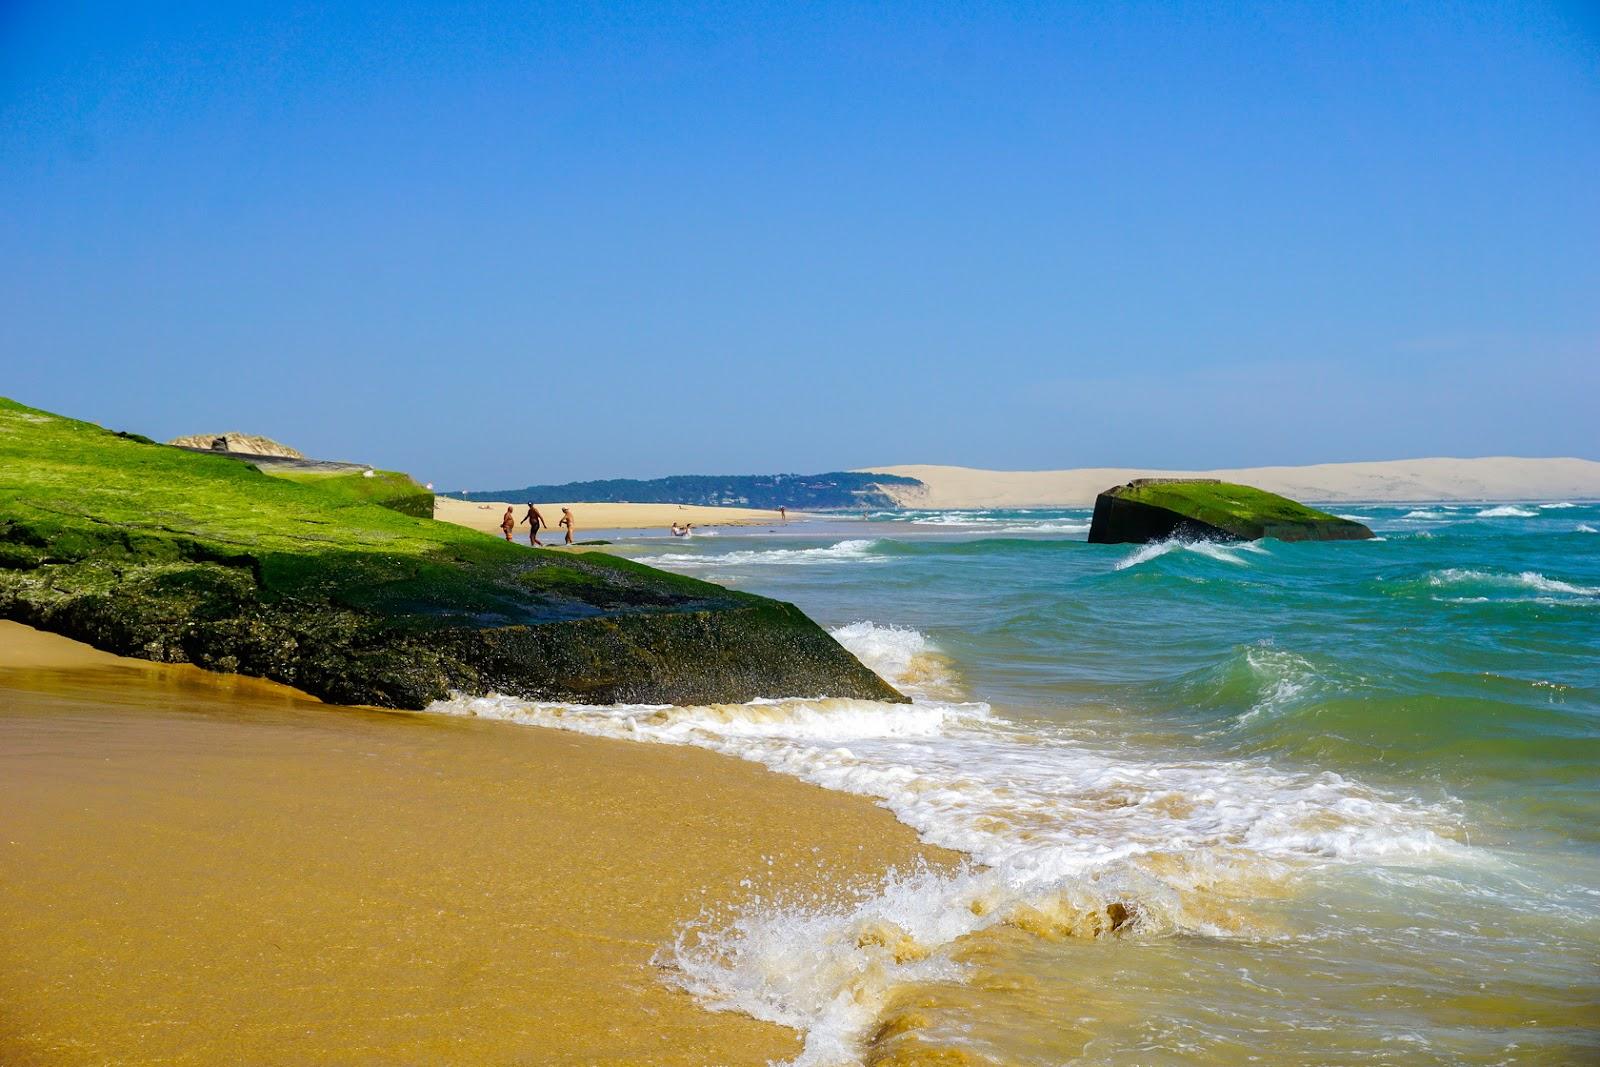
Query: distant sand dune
<point x="1492" y="478"/>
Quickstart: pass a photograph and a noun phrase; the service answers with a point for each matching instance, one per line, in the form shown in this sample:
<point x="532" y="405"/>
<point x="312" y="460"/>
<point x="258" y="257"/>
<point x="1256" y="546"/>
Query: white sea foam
<point x="1425" y="515"/>
<point x="1526" y="580"/>
<point x="1506" y="511"/>
<point x="1013" y="523"/>
<point x="1558" y="505"/>
<point x="898" y="653"/>
<point x="1053" y="527"/>
<point x="1082" y="839"/>
<point x="858" y="550"/>
<point x="1584" y="527"/>
<point x="1227" y="552"/>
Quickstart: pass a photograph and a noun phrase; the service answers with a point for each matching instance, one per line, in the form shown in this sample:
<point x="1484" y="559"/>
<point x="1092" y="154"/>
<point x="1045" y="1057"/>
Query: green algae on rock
<point x="388" y="489"/>
<point x="1204" y="509"/>
<point x="173" y="555"/>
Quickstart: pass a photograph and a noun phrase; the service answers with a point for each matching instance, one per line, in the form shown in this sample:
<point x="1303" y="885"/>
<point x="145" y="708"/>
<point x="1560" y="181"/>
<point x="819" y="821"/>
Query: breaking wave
<point x="1063" y="838"/>
<point x="1005" y="523"/>
<point x="1506" y="511"/>
<point x="1227" y="552"/>
<point x="1283" y="679"/>
<point x="903" y="656"/>
<point x="1533" y="581"/>
<point x="856" y="550"/>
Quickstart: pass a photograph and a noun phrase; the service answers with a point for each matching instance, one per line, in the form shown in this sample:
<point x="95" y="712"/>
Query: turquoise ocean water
<point x="1277" y="803"/>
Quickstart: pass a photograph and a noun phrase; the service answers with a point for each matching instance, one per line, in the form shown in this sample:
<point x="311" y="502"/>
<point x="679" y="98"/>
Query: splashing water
<point x="1217" y="802"/>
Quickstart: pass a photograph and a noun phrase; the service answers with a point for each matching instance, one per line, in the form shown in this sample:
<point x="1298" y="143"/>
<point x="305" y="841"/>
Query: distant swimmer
<point x="534" y="521"/>
<point x="508" y="523"/>
<point x="566" y="520"/>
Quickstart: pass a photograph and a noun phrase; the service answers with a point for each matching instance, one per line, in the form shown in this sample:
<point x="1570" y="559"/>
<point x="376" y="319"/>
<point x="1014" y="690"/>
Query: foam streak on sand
<point x="1093" y="839"/>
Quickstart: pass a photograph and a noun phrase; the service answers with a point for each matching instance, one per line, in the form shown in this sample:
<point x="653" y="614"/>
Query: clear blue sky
<point x="501" y="243"/>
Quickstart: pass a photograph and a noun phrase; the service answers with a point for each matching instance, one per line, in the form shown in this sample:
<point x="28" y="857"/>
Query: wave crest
<point x="1225" y="551"/>
<point x="857" y="550"/>
<point x="1525" y="580"/>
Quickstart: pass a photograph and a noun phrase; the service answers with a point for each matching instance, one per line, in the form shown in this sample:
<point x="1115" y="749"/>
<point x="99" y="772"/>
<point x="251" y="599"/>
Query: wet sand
<point x="204" y="868"/>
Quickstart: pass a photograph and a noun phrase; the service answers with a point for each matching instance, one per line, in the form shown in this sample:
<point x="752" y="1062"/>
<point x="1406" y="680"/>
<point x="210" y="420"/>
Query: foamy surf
<point x="1506" y="511"/>
<point x="855" y="550"/>
<point x="1016" y="522"/>
<point x="1065" y="839"/>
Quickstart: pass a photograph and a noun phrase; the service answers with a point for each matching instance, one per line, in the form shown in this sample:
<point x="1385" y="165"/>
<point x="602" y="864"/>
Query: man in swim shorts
<point x="534" y="521"/>
<point x="508" y="523"/>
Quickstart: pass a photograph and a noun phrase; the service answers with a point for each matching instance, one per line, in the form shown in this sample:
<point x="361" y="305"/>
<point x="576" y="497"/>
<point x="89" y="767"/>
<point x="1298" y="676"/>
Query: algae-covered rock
<point x="387" y="489"/>
<point x="1154" y="509"/>
<point x="182" y="556"/>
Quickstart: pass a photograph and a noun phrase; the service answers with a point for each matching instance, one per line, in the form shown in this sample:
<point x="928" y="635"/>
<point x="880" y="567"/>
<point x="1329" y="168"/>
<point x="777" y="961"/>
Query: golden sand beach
<point x="204" y="869"/>
<point x="594" y="516"/>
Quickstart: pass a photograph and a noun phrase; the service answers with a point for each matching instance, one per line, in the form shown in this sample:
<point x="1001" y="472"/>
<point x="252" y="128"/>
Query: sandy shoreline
<point x="205" y="868"/>
<point x="594" y="516"/>
<point x="1495" y="478"/>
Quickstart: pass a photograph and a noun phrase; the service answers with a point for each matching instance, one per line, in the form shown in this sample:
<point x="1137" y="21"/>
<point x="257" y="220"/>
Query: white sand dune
<point x="1491" y="478"/>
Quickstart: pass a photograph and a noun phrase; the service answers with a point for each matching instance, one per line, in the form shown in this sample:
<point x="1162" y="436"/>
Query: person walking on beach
<point x="566" y="520"/>
<point x="508" y="523"/>
<point x="783" y="512"/>
<point x="534" y="521"/>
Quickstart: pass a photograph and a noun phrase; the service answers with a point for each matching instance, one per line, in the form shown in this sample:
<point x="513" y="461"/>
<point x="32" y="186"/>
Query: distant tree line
<point x="836" y="489"/>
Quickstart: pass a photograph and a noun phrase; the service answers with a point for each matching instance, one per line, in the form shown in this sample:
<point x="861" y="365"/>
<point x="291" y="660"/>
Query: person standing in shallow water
<point x="508" y="523"/>
<point x="534" y="521"/>
<point x="566" y="520"/>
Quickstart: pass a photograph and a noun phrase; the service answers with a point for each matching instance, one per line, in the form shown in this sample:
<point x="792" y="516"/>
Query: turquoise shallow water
<point x="1460" y="654"/>
<point x="1283" y="803"/>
